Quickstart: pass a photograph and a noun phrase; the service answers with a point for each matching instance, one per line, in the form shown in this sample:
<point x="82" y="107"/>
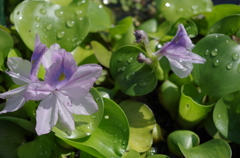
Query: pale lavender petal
<point x="39" y="50"/>
<point x="142" y="58"/>
<point x="61" y="71"/>
<point x="21" y="67"/>
<point x="82" y="101"/>
<point x="47" y="60"/>
<point x="84" y="77"/>
<point x="13" y="92"/>
<point x="47" y="114"/>
<point x="181" y="69"/>
<point x="37" y="91"/>
<point x="65" y="117"/>
<point x="14" y="103"/>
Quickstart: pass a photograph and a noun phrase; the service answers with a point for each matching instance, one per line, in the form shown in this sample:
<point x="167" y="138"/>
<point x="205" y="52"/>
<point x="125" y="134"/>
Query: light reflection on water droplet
<point x="59" y="13"/>
<point x="37" y="18"/>
<point x="42" y="11"/>
<point x="142" y="83"/>
<point x="235" y="56"/>
<point x="70" y="23"/>
<point x="206" y="52"/>
<point x="106" y="117"/>
<point x="60" y="34"/>
<point x="229" y="66"/>
<point x="48" y="27"/>
<point x="216" y="62"/>
<point x="214" y="52"/>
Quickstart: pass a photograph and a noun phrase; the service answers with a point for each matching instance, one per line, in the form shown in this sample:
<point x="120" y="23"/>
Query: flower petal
<point x="14" y="103"/>
<point x="181" y="69"/>
<point x="84" y="77"/>
<point x="47" y="115"/>
<point x="13" y="92"/>
<point x="60" y="72"/>
<point x="82" y="101"/>
<point x="21" y="67"/>
<point x="37" y="91"/>
<point x="47" y="60"/>
<point x="39" y="50"/>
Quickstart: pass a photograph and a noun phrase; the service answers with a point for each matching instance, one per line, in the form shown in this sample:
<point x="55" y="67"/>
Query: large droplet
<point x="48" y="27"/>
<point x="78" y="12"/>
<point x="130" y="60"/>
<point x="60" y="34"/>
<point x="42" y="11"/>
<point x="214" y="52"/>
<point x="106" y="117"/>
<point x="235" y="56"/>
<point x="229" y="66"/>
<point x="216" y="62"/>
<point x="70" y="23"/>
<point x="59" y="13"/>
<point x="37" y="18"/>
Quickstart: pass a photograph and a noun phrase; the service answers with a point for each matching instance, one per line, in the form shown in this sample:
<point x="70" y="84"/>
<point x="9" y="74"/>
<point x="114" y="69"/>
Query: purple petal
<point x="13" y="92"/>
<point x="39" y="50"/>
<point x="181" y="69"/>
<point x="37" y="91"/>
<point x="21" y="67"/>
<point x="82" y="101"/>
<point x="47" y="59"/>
<point x="84" y="77"/>
<point x="47" y="114"/>
<point x="60" y="72"/>
<point x="14" y="103"/>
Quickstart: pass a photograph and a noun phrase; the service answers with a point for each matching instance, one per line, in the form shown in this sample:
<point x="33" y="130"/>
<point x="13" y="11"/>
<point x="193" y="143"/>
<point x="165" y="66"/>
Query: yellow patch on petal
<point x="61" y="77"/>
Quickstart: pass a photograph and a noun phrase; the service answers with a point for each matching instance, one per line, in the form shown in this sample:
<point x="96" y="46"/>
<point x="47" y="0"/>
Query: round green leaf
<point x="110" y="139"/>
<point x="191" y="108"/>
<point x="131" y="153"/>
<point x="172" y="10"/>
<point x="186" y="138"/>
<point x="213" y="148"/>
<point x="65" y="25"/>
<point x="158" y="156"/>
<point x="228" y="25"/>
<point x="132" y="77"/>
<point x="220" y="74"/>
<point x="149" y="26"/>
<point x="141" y="122"/>
<point x="226" y="116"/>
<point x="6" y="43"/>
<point x="84" y="124"/>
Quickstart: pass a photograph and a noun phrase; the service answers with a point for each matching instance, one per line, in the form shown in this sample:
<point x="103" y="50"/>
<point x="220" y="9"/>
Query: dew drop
<point x="180" y="9"/>
<point x="48" y="27"/>
<point x="20" y="18"/>
<point x="216" y="37"/>
<point x="114" y="141"/>
<point x="78" y="12"/>
<point x="216" y="62"/>
<point x="167" y="4"/>
<point x="119" y="59"/>
<point x="142" y="83"/>
<point x="81" y="19"/>
<point x="119" y="69"/>
<point x="123" y="68"/>
<point x="60" y="34"/>
<point x="106" y="117"/>
<point x="93" y="116"/>
<point x="235" y="56"/>
<point x="214" y="52"/>
<point x="130" y="76"/>
<point x="229" y="66"/>
<point x="42" y="11"/>
<point x="206" y="52"/>
<point x="100" y="6"/>
<point x="219" y="116"/>
<point x="227" y="41"/>
<point x="37" y="18"/>
<point x="70" y="23"/>
<point x="59" y="13"/>
<point x="130" y="60"/>
<point x="37" y="26"/>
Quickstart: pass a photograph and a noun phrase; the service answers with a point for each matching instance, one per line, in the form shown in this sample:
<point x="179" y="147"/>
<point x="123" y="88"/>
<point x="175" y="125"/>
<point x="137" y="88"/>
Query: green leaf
<point x="228" y="25"/>
<point x="65" y="25"/>
<point x="132" y="77"/>
<point x="186" y="138"/>
<point x="220" y="74"/>
<point x="6" y="44"/>
<point x="84" y="124"/>
<point x="99" y="17"/>
<point x="141" y="122"/>
<point x="131" y="153"/>
<point x="172" y="10"/>
<point x="191" y="108"/>
<point x="122" y="26"/>
<point x="213" y="148"/>
<point x="11" y="138"/>
<point x="110" y="139"/>
<point x="149" y="26"/>
<point x="101" y="53"/>
<point x="226" y="116"/>
<point x="158" y="156"/>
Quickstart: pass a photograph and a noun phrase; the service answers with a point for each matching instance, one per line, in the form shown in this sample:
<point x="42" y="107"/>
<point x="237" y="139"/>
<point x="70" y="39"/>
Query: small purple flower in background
<point x="65" y="90"/>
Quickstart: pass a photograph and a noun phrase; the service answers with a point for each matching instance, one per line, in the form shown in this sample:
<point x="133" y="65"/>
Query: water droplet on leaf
<point x="42" y="11"/>
<point x="235" y="56"/>
<point x="60" y="34"/>
<point x="70" y="23"/>
<point x="214" y="52"/>
<point x="229" y="66"/>
<point x="142" y="83"/>
<point x="48" y="27"/>
<point x="206" y="52"/>
<point x="106" y="117"/>
<point x="37" y="18"/>
<point x="59" y="13"/>
<point x="216" y="62"/>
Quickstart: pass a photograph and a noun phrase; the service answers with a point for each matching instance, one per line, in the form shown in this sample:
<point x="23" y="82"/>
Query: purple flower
<point x="65" y="91"/>
<point x="178" y="53"/>
<point x="23" y="73"/>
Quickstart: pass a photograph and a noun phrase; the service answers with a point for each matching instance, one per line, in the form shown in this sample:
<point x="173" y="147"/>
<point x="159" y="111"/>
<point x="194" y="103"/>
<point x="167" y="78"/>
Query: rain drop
<point x="93" y="116"/>
<point x="37" y="18"/>
<point x="37" y="26"/>
<point x="70" y="23"/>
<point x="81" y="19"/>
<point x="219" y="116"/>
<point x="214" y="52"/>
<point x="227" y="41"/>
<point x="142" y="83"/>
<point x="216" y="37"/>
<point x="130" y="60"/>
<point x="130" y="76"/>
<point x="42" y="11"/>
<point x="20" y="18"/>
<point x="123" y="68"/>
<point x="235" y="56"/>
<point x="59" y="13"/>
<point x="78" y="12"/>
<point x="100" y="6"/>
<point x="106" y="117"/>
<point x="216" y="62"/>
<point x="48" y="27"/>
<point x="229" y="66"/>
<point x="60" y="34"/>
<point x="119" y="59"/>
<point x="167" y="4"/>
<point x="206" y="52"/>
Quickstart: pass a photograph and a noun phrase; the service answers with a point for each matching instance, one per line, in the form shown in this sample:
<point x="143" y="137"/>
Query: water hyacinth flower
<point x="178" y="53"/>
<point x="64" y="91"/>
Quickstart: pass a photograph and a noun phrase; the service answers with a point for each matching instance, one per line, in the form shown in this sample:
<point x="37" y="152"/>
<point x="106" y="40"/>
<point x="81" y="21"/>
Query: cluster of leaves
<point x="123" y="126"/>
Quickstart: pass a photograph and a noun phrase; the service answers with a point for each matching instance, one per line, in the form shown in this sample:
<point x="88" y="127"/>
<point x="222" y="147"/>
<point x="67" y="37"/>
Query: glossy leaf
<point x="65" y="25"/>
<point x="228" y="25"/>
<point x="191" y="109"/>
<point x="149" y="26"/>
<point x="6" y="44"/>
<point x="110" y="139"/>
<point x="101" y="53"/>
<point x="121" y="27"/>
<point x="141" y="122"/>
<point x="158" y="156"/>
<point x="85" y="124"/>
<point x="131" y="153"/>
<point x="172" y="10"/>
<point x="212" y="148"/>
<point x="220" y="74"/>
<point x="226" y="116"/>
<point x="132" y="77"/>
<point x="185" y="138"/>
